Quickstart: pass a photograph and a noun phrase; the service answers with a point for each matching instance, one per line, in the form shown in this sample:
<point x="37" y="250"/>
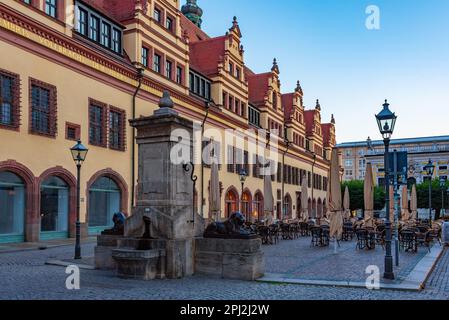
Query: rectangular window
<point x="238" y="73"/>
<point x="94" y="28"/>
<point x="116" y="129"/>
<point x="192" y="82"/>
<point x="208" y="88"/>
<point x="106" y="34"/>
<point x="157" y="63"/>
<point x="168" y="69"/>
<point x="231" y="103"/>
<point x="82" y="21"/>
<point x="27" y="1"/>
<point x="237" y="106"/>
<point x="116" y="41"/>
<point x="203" y="88"/>
<point x="230" y="159"/>
<point x="97" y="124"/>
<point x="157" y="15"/>
<point x="231" y="68"/>
<point x="72" y="131"/>
<point x="169" y="24"/>
<point x="145" y="52"/>
<point x="51" y="8"/>
<point x="197" y="85"/>
<point x="179" y="73"/>
<point x="43" y="108"/>
<point x="9" y="100"/>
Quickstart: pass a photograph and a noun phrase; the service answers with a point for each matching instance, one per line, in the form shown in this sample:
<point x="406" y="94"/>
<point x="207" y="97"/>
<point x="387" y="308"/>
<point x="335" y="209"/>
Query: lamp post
<point x="429" y="168"/>
<point x="287" y="147"/>
<point x="243" y="176"/>
<point x="79" y="153"/>
<point x="386" y="120"/>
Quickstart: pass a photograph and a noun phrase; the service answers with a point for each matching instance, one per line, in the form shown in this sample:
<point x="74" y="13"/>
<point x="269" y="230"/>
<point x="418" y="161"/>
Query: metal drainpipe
<point x="313" y="173"/>
<point x="202" y="150"/>
<point x="283" y="173"/>
<point x="133" y="145"/>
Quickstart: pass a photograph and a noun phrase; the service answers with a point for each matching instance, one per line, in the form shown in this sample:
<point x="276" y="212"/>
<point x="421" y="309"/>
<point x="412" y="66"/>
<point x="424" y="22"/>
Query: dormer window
<point x="275" y="100"/>
<point x="51" y="8"/>
<point x="98" y="28"/>
<point x="238" y="73"/>
<point x="231" y="68"/>
<point x="157" y="15"/>
<point x="169" y="24"/>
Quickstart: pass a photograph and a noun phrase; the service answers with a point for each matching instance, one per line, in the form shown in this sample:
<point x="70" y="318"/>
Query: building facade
<point x="355" y="156"/>
<point x="80" y="69"/>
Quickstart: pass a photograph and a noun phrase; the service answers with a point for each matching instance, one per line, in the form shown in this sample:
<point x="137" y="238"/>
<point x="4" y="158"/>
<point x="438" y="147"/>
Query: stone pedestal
<point x="230" y="259"/>
<point x="103" y="252"/>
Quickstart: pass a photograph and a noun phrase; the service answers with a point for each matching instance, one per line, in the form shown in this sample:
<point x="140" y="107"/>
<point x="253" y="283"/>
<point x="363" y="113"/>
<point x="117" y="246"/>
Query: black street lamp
<point x="430" y="168"/>
<point x="243" y="176"/>
<point x="386" y="121"/>
<point x="79" y="153"/>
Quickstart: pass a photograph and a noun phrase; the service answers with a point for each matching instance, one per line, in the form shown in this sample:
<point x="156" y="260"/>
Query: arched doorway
<point x="54" y="208"/>
<point x="104" y="202"/>
<point x="231" y="202"/>
<point x="287" y="212"/>
<point x="324" y="207"/>
<point x="12" y="208"/>
<point x="246" y="205"/>
<point x="258" y="206"/>
<point x="319" y="208"/>
<point x="314" y="213"/>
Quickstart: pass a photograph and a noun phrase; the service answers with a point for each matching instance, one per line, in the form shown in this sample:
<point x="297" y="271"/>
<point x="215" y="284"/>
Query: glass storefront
<point x="12" y="208"/>
<point x="104" y="202"/>
<point x="54" y="209"/>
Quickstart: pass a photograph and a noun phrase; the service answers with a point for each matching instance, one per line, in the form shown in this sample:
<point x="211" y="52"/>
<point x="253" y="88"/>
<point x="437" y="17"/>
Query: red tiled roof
<point x="205" y="55"/>
<point x="287" y="103"/>
<point x="326" y="129"/>
<point x="193" y="32"/>
<point x="258" y="86"/>
<point x="116" y="10"/>
<point x="309" y="117"/>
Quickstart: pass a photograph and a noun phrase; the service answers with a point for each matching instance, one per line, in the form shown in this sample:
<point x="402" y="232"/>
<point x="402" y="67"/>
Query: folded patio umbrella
<point x="346" y="204"/>
<point x="268" y="200"/>
<point x="304" y="200"/>
<point x="368" y="195"/>
<point x="405" y="214"/>
<point x="215" y="201"/>
<point x="335" y="205"/>
<point x="414" y="203"/>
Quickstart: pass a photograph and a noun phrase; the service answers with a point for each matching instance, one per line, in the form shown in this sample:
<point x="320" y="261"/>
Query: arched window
<point x="104" y="202"/>
<point x="12" y="208"/>
<point x="258" y="206"/>
<point x="54" y="208"/>
<point x="246" y="206"/>
<point x="287" y="207"/>
<point x="231" y="202"/>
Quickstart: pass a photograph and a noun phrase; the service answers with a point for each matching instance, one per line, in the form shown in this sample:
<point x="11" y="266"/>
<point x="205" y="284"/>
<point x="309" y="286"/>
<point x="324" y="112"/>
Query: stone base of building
<point x="230" y="259"/>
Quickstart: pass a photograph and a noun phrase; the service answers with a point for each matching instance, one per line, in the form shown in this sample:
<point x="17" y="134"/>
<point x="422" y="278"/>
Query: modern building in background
<point x="73" y="69"/>
<point x="355" y="156"/>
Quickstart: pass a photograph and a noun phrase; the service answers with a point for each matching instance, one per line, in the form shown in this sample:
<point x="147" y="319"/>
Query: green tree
<point x="356" y="195"/>
<point x="422" y="191"/>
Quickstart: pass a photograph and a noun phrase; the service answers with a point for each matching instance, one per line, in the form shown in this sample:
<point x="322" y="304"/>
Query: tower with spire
<point x="193" y="12"/>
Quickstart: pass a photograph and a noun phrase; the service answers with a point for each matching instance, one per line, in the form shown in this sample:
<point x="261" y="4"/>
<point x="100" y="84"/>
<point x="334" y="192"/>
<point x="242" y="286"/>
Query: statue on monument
<point x="233" y="228"/>
<point x="119" y="225"/>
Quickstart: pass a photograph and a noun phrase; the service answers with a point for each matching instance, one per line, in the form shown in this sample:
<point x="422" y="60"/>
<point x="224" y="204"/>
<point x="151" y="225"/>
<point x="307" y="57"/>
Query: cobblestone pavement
<point x="297" y="259"/>
<point x="24" y="275"/>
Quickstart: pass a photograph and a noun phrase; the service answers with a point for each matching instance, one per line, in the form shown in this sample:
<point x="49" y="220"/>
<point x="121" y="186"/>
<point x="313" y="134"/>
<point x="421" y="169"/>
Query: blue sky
<point x="325" y="45"/>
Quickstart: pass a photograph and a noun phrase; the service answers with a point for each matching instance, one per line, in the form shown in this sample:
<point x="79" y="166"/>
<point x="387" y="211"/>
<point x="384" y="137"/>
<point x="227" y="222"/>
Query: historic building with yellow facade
<point x="80" y="69"/>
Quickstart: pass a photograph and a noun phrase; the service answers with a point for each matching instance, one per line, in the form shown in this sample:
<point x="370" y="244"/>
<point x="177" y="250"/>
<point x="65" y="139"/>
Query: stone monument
<point x="164" y="194"/>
